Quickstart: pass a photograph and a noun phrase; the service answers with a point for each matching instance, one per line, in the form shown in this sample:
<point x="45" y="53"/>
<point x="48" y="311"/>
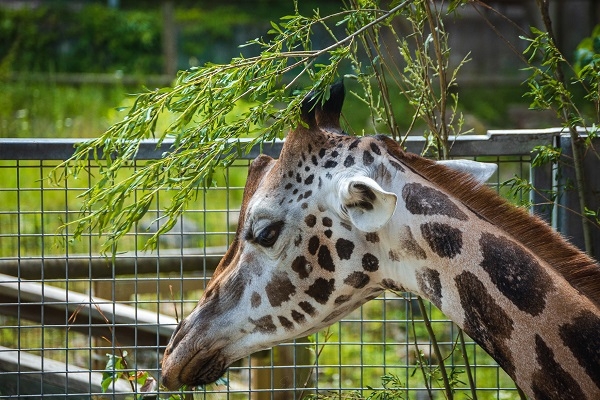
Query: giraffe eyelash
<point x="267" y="236"/>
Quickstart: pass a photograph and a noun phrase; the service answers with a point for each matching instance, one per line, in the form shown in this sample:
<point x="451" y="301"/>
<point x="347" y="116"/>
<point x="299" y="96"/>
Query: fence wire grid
<point x="76" y="324"/>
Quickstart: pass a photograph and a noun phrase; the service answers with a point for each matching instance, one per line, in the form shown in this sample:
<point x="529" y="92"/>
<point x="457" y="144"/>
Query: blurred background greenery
<point x="67" y="67"/>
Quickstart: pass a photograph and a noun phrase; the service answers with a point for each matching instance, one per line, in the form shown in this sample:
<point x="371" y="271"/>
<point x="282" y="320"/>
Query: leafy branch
<point x="200" y="117"/>
<point x="549" y="89"/>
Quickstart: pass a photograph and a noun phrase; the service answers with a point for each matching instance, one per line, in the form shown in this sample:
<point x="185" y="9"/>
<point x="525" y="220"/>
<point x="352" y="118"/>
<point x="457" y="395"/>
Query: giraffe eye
<point x="268" y="236"/>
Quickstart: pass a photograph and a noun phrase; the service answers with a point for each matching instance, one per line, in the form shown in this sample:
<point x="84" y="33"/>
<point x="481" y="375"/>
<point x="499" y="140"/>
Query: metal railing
<point x="66" y="311"/>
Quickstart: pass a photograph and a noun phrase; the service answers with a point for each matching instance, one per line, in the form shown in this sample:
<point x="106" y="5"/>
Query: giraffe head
<point x="307" y="249"/>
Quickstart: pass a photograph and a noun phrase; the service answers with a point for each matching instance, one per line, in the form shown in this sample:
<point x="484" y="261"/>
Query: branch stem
<point x="436" y="350"/>
<point x="576" y="141"/>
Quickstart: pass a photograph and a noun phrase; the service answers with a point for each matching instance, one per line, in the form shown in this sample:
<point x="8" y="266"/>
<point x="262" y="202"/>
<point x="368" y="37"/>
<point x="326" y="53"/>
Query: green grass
<point x="50" y="110"/>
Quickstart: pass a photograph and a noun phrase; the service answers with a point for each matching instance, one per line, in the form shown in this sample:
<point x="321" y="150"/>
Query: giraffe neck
<point x="540" y="328"/>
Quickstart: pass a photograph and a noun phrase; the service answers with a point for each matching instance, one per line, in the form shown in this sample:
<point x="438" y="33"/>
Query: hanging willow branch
<point x="200" y="112"/>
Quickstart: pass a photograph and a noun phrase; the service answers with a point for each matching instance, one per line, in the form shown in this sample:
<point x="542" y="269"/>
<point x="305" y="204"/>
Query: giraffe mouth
<point x="201" y="369"/>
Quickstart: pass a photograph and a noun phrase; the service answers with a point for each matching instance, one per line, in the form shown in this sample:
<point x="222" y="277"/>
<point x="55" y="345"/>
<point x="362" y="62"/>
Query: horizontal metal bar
<point x="37" y="370"/>
<point x="98" y="267"/>
<point x="494" y="143"/>
<point x="48" y="304"/>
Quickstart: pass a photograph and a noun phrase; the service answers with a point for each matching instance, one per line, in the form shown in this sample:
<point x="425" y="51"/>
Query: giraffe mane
<point x="580" y="270"/>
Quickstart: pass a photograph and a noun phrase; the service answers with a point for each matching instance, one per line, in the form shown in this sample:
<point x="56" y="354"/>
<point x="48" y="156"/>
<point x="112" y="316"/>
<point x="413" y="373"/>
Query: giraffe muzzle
<point x="192" y="359"/>
<point x="198" y="371"/>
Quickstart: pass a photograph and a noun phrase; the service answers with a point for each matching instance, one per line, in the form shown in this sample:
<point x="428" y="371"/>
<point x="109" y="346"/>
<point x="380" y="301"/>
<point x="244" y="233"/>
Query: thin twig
<point x="425" y="380"/>
<point x="436" y="350"/>
<point x="327" y="336"/>
<point x="543" y="5"/>
<point x="174" y="305"/>
<point x="435" y="24"/>
<point x="463" y="349"/>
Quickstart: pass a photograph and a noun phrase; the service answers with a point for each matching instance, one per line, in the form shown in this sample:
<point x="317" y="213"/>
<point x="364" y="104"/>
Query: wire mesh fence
<point x="75" y="323"/>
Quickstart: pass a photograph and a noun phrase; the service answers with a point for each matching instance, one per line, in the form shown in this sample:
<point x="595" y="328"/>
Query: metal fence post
<point x="568" y="221"/>
<point x="542" y="179"/>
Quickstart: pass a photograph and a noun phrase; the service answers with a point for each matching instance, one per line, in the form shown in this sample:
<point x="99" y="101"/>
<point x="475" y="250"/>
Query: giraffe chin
<point x="199" y="370"/>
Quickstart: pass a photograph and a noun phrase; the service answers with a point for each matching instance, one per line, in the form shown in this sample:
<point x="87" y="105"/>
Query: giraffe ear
<point x="479" y="170"/>
<point x="367" y="205"/>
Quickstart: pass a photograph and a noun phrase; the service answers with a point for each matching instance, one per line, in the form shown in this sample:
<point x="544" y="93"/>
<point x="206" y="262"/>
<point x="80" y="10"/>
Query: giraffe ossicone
<point x="336" y="220"/>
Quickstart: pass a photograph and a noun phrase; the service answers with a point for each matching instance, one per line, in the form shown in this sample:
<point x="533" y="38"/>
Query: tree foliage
<point x="201" y="119"/>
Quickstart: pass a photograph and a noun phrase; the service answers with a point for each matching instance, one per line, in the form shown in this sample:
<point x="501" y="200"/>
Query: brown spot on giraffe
<point x="342" y="299"/>
<point x="330" y="164"/>
<point x="321" y="290"/>
<point x="286" y="323"/>
<point x="298" y="317"/>
<point x="279" y="289"/>
<point x="443" y="239"/>
<point x="264" y="324"/>
<point x="370" y="262"/>
<point x="515" y="273"/>
<point x="410" y="247"/>
<point x="394" y="255"/>
<point x="425" y="200"/>
<point x="368" y="158"/>
<point x="375" y="148"/>
<point x="392" y="285"/>
<point x="346" y="226"/>
<point x="372" y="237"/>
<point x="582" y="336"/>
<point x="310" y="220"/>
<point x="344" y="248"/>
<point x="301" y="266"/>
<point x="307" y="308"/>
<point x="485" y="320"/>
<point x="551" y="381"/>
<point x="357" y="280"/>
<point x="255" y="300"/>
<point x="313" y="245"/>
<point x="349" y="161"/>
<point x="324" y="259"/>
<point x="235" y="286"/>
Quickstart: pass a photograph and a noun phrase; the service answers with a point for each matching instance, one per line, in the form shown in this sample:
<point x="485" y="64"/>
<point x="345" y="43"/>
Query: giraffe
<point x="337" y="219"/>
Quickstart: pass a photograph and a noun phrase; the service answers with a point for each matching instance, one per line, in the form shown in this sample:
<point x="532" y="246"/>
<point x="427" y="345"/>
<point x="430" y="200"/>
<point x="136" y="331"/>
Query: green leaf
<point x="113" y="370"/>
